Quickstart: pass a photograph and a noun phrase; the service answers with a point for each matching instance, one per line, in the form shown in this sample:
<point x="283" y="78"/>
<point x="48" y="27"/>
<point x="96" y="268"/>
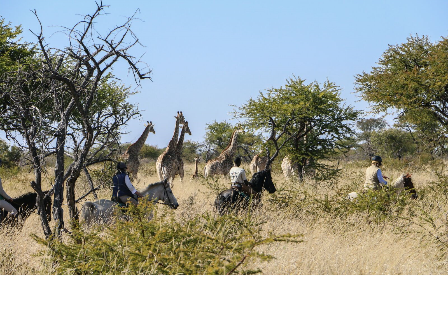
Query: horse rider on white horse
<point x="5" y="200"/>
<point x="123" y="191"/>
<point x="374" y="177"/>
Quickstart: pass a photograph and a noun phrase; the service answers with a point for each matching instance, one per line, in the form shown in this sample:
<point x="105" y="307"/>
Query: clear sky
<point x="209" y="55"/>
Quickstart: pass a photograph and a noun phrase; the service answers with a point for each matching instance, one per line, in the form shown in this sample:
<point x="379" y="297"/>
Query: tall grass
<point x="381" y="233"/>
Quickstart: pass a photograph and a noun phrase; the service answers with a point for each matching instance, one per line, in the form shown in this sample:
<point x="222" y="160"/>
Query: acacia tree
<point x="24" y="93"/>
<point x="412" y="78"/>
<point x="368" y="127"/>
<point x="78" y="106"/>
<point x="314" y="115"/>
<point x="90" y="55"/>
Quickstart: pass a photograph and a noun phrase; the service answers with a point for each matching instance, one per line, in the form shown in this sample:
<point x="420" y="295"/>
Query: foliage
<point x="67" y="101"/>
<point x="368" y="127"/>
<point x="150" y="152"/>
<point x="411" y="77"/>
<point x="218" y="135"/>
<point x="314" y="113"/>
<point x="191" y="150"/>
<point x="203" y="244"/>
<point x="393" y="143"/>
<point x="375" y="206"/>
<point x="9" y="154"/>
<point x="12" y="53"/>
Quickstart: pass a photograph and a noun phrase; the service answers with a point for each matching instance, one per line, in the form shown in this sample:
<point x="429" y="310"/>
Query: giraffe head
<point x="186" y="128"/>
<point x="180" y="117"/>
<point x="151" y="126"/>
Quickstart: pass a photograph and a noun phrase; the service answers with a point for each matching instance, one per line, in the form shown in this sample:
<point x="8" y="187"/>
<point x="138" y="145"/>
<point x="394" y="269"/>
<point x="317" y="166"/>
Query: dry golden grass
<point x="354" y="244"/>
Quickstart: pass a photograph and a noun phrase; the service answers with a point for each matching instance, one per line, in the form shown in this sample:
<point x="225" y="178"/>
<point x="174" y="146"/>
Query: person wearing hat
<point x="5" y="200"/>
<point x="374" y="177"/>
<point x="123" y="190"/>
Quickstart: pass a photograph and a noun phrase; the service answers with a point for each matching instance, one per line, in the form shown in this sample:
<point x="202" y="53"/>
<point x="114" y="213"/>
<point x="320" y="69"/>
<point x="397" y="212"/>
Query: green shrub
<point x="204" y="244"/>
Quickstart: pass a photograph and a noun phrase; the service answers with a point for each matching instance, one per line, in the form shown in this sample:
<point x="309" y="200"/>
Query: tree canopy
<point x="12" y="52"/>
<point x="313" y="114"/>
<point x="411" y="77"/>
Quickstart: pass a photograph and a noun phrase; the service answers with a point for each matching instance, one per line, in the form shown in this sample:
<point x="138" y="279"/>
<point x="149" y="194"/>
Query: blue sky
<point x="209" y="55"/>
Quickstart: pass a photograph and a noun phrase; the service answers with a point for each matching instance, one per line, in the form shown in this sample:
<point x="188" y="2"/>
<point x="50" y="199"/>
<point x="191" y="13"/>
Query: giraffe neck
<point x="140" y="141"/>
<point x="229" y="151"/>
<point x="173" y="141"/>
<point x="180" y="143"/>
<point x="135" y="148"/>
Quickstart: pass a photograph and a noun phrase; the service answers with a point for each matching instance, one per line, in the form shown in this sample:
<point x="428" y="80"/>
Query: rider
<point x="5" y="200"/>
<point x="238" y="177"/>
<point x="374" y="176"/>
<point x="123" y="189"/>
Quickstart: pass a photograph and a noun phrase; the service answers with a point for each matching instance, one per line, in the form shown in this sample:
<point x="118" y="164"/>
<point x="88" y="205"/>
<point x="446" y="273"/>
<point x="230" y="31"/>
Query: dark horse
<point x="25" y="204"/>
<point x="232" y="199"/>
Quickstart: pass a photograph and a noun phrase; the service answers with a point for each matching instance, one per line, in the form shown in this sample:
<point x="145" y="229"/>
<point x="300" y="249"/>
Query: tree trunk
<point x="37" y="183"/>
<point x="58" y="212"/>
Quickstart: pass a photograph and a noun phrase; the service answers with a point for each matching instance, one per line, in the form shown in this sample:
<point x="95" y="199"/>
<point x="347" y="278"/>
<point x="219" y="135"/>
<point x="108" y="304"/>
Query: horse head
<point x="404" y="182"/>
<point x="263" y="179"/>
<point x="409" y="186"/>
<point x="268" y="183"/>
<point x="169" y="198"/>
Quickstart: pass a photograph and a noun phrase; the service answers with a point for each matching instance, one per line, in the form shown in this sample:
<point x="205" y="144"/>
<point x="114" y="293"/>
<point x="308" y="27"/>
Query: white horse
<point x="102" y="211"/>
<point x="402" y="183"/>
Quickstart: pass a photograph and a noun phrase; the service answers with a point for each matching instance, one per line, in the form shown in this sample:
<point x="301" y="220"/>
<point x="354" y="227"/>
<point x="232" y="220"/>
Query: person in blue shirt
<point x="123" y="190"/>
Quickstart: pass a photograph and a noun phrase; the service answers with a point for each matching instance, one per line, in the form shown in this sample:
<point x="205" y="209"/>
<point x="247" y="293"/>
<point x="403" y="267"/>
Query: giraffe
<point x="166" y="161"/>
<point x="195" y="175"/>
<point x="224" y="162"/>
<point x="131" y="154"/>
<point x="258" y="163"/>
<point x="179" y="163"/>
<point x="290" y="169"/>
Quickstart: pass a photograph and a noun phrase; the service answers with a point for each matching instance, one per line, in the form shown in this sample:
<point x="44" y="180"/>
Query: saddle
<point x="238" y="194"/>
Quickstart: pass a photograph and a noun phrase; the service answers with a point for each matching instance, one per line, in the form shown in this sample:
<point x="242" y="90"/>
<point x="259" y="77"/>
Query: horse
<point x="25" y="205"/>
<point x="102" y="211"/>
<point x="230" y="199"/>
<point x="402" y="183"/>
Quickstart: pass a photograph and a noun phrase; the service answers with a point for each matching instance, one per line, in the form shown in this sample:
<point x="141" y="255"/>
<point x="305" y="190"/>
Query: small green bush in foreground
<point x="205" y="244"/>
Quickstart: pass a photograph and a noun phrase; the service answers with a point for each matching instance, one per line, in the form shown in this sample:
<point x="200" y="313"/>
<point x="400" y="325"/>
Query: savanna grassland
<point x="385" y="233"/>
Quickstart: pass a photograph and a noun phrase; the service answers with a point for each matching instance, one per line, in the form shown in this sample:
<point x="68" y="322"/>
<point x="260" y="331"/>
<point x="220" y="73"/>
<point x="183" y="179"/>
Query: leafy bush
<point x="203" y="244"/>
<point x="10" y="155"/>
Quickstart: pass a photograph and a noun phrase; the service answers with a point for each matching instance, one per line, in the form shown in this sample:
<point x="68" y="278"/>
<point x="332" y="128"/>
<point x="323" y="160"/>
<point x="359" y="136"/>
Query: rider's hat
<point x="377" y="158"/>
<point x="121" y="165"/>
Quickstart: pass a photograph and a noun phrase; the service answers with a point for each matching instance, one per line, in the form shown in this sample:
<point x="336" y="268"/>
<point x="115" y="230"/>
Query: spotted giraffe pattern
<point x="224" y="162"/>
<point x="131" y="154"/>
<point x="167" y="160"/>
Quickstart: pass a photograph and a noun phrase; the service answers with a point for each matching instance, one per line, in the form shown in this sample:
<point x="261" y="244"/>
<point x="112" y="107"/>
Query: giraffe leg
<point x="181" y="171"/>
<point x="159" y="170"/>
